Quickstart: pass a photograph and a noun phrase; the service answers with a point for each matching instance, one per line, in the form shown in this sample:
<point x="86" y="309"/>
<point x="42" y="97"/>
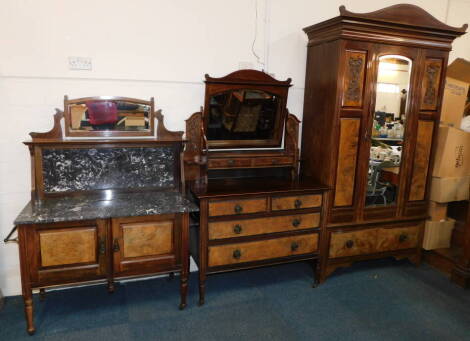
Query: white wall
<point x="144" y="48"/>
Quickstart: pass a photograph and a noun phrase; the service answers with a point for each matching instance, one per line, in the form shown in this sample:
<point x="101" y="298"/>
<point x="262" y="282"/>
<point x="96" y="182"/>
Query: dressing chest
<point x="254" y="209"/>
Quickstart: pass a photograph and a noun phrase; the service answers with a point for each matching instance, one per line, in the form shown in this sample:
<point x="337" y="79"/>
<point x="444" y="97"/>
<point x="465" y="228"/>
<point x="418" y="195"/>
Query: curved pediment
<point x="404" y="14"/>
<point x="248" y="75"/>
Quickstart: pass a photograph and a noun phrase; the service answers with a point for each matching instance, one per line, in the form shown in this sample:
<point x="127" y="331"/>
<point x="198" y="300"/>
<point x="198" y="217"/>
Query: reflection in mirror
<point x="242" y="115"/>
<point x="109" y="115"/>
<point x="388" y="127"/>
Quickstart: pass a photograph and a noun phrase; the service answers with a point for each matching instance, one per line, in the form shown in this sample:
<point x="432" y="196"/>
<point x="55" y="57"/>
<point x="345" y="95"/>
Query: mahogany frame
<point x="252" y="80"/>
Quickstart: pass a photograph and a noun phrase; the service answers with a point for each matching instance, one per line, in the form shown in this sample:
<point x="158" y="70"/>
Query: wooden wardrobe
<point x="377" y="202"/>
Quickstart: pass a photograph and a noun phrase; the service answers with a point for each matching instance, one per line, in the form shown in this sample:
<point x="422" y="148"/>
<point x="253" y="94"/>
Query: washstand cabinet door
<point x="145" y="245"/>
<point x="67" y="252"/>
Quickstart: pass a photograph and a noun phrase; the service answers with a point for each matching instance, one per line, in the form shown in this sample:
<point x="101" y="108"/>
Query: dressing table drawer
<point x="273" y="161"/>
<point x="262" y="250"/>
<point x="296" y="202"/>
<point x="229" y="163"/>
<point x="231" y="207"/>
<point x="345" y="244"/>
<point x="397" y="238"/>
<point x="250" y="227"/>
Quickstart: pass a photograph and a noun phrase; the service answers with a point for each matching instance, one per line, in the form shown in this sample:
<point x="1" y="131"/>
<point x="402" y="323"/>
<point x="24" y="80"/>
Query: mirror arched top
<point x="245" y="109"/>
<point x="391" y="108"/>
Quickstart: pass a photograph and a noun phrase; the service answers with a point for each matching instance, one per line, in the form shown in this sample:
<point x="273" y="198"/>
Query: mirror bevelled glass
<point x="388" y="130"/>
<point x="242" y="115"/>
<point x="109" y="115"/>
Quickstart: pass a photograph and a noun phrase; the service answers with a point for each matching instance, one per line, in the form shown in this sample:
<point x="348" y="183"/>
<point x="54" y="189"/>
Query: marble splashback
<point x="85" y="169"/>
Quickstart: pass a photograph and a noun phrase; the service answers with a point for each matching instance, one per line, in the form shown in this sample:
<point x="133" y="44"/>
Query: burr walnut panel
<point x="260" y="250"/>
<point x="296" y="202"/>
<point x="354" y="78"/>
<point x="345" y="244"/>
<point x="147" y="239"/>
<point x="242" y="206"/>
<point x="347" y="156"/>
<point x="397" y="238"/>
<point x="68" y="246"/>
<point x="421" y="160"/>
<point x="250" y="227"/>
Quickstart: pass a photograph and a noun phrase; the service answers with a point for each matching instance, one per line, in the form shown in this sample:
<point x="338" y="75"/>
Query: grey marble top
<point x="88" y="207"/>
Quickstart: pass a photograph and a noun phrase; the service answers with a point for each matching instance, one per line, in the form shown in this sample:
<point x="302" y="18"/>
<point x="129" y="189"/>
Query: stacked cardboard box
<point x="451" y="172"/>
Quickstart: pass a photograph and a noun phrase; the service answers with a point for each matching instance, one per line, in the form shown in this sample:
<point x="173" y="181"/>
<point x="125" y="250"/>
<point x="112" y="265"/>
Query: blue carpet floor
<point x="376" y="300"/>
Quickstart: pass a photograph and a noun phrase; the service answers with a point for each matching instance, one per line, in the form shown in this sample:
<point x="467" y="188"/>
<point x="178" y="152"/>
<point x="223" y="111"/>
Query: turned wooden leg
<point x="28" y="310"/>
<point x="183" y="289"/>
<point x="202" y="287"/>
<point x="42" y="294"/>
<point x="110" y="286"/>
<point x="316" y="273"/>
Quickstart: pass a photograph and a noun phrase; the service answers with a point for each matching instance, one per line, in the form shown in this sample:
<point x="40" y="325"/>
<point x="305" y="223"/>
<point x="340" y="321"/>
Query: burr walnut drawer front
<point x="397" y="238"/>
<point x="230" y="254"/>
<point x="230" y="207"/>
<point x="344" y="244"/>
<point x="296" y="202"/>
<point x="229" y="163"/>
<point x="273" y="161"/>
<point x="249" y="227"/>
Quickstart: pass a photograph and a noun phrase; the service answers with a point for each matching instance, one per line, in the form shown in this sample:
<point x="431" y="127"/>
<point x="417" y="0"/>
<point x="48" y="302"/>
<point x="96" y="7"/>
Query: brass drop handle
<point x="403" y="238"/>
<point x="294" y="246"/>
<point x="237" y="229"/>
<point x="238" y="209"/>
<point x="237" y="254"/>
<point x="298" y="203"/>
<point x="349" y="244"/>
<point x="116" y="247"/>
<point x="102" y="246"/>
<point x="231" y="162"/>
<point x="296" y="222"/>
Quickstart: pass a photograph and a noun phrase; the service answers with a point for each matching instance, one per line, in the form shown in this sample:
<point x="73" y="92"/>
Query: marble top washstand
<point x="88" y="207"/>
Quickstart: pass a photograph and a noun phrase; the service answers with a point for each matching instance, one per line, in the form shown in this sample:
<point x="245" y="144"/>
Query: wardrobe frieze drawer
<point x="344" y="244"/>
<point x="230" y="254"/>
<point x="230" y="207"/>
<point x="249" y="227"/>
<point x="397" y="238"/>
<point x="296" y="202"/>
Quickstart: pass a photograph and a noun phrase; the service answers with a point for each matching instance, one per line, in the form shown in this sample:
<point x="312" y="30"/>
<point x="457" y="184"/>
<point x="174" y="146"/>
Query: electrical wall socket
<point x="80" y="63"/>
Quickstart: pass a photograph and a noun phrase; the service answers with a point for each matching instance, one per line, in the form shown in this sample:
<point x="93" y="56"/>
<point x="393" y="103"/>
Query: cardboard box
<point x="437" y="234"/>
<point x="455" y="92"/>
<point x="450" y="189"/>
<point x="452" y="153"/>
<point x="437" y="211"/>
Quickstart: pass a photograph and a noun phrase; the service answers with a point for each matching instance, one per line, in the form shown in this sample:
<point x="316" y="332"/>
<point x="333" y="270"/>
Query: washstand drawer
<point x="344" y="244"/>
<point x="273" y="161"/>
<point x="229" y="207"/>
<point x="229" y="163"/>
<point x="397" y="238"/>
<point x="262" y="250"/>
<point x="296" y="202"/>
<point x="249" y="227"/>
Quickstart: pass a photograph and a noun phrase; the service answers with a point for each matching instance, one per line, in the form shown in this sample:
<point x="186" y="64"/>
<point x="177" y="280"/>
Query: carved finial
<point x="55" y="132"/>
<point x="162" y="132"/>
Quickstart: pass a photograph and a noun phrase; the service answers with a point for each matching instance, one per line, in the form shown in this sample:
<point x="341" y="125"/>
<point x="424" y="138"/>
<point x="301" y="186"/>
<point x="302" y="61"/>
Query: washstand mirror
<point x="388" y="130"/>
<point x="108" y="116"/>
<point x="245" y="109"/>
